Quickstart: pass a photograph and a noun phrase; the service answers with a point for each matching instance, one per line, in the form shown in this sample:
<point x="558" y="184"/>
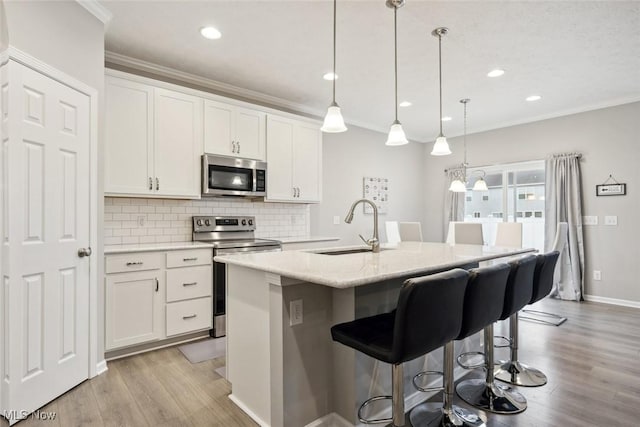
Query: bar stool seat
<point x="424" y="319"/>
<point x="483" y="303"/>
<point x="513" y="371"/>
<point x="484" y="393"/>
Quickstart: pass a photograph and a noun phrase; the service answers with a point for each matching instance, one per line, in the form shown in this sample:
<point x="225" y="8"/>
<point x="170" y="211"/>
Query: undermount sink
<point x="348" y="251"/>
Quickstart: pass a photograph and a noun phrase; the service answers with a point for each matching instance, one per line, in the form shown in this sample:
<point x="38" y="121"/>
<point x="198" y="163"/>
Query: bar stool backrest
<point x="543" y="275"/>
<point x="484" y="298"/>
<point x="429" y="313"/>
<point x="519" y="285"/>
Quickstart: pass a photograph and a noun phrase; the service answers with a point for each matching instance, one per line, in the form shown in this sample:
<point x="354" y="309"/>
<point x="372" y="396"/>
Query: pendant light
<point x="440" y="147"/>
<point x="333" y="121"/>
<point x="481" y="184"/>
<point x="459" y="185"/>
<point x="396" y="134"/>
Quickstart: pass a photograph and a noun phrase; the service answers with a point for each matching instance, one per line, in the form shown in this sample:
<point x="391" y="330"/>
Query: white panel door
<point x="250" y="133"/>
<point x="279" y="159"/>
<point x="219" y="128"/>
<point x="178" y="144"/>
<point x="307" y="164"/>
<point x="128" y="137"/>
<point x="48" y="222"/>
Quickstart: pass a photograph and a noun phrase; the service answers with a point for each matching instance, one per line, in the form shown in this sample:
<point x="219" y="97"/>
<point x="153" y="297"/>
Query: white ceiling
<point x="576" y="55"/>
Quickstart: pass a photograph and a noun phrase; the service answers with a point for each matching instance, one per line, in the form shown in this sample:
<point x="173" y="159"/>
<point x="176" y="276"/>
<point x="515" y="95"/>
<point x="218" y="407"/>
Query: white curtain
<point x="563" y="192"/>
<point x="453" y="202"/>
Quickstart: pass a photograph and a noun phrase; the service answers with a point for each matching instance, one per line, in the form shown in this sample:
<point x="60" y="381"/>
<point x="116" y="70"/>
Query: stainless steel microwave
<point x="228" y="176"/>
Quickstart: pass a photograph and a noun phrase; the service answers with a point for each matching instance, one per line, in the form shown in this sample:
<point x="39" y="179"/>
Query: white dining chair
<point x="410" y="231"/>
<point x="468" y="233"/>
<point x="509" y="234"/>
<point x="393" y="234"/>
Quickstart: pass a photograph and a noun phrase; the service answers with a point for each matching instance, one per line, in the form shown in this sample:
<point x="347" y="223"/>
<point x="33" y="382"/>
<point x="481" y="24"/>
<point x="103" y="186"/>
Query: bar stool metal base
<point x="517" y="373"/>
<point x="494" y="398"/>
<point x="433" y="414"/>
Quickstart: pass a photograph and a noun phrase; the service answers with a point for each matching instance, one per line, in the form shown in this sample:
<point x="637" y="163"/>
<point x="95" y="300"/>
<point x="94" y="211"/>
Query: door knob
<point x="83" y="252"/>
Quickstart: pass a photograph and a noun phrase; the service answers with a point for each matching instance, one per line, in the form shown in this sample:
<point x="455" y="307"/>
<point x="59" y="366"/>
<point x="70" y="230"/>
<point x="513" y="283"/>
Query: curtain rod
<point x="578" y="155"/>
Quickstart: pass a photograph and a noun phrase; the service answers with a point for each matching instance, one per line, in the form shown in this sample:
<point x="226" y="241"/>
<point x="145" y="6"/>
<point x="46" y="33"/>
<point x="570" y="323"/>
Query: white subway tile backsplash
<point x="170" y="220"/>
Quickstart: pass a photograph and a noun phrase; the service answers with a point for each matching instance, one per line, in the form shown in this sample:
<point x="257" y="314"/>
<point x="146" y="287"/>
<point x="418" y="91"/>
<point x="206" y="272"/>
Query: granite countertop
<point x="147" y="247"/>
<point x="305" y="239"/>
<point x="345" y="271"/>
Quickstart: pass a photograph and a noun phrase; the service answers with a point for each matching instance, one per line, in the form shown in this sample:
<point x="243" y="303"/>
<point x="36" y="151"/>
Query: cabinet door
<point x="279" y="159"/>
<point x="250" y="133"/>
<point x="219" y="128"/>
<point x="129" y="137"/>
<point x="178" y="144"/>
<point x="134" y="308"/>
<point x="307" y="162"/>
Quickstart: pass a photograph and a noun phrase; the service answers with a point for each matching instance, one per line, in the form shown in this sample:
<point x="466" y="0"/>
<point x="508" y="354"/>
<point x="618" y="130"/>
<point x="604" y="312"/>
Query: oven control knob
<point x="207" y="222"/>
<point x="244" y="222"/>
<point x="250" y="222"/>
<point x="199" y="222"/>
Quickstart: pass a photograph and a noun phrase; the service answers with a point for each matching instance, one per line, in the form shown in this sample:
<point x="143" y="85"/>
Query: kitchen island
<point x="283" y="367"/>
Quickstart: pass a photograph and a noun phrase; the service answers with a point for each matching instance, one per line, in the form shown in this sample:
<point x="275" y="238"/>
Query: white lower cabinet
<point x="151" y="296"/>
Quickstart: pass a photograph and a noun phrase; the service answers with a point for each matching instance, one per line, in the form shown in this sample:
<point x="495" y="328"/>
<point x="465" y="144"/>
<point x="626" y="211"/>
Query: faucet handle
<point x="365" y="240"/>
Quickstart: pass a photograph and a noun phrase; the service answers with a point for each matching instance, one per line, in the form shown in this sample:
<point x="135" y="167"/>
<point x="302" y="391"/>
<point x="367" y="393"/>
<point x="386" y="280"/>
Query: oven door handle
<point x="231" y="251"/>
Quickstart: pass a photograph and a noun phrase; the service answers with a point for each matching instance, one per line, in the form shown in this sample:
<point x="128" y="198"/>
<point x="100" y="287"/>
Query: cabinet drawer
<point x="189" y="257"/>
<point x="133" y="262"/>
<point x="189" y="316"/>
<point x="188" y="283"/>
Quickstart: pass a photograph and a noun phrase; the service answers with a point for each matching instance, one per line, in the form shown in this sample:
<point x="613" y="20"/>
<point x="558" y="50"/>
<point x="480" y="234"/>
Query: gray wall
<point x="66" y="36"/>
<point x="350" y="156"/>
<point x="609" y="140"/>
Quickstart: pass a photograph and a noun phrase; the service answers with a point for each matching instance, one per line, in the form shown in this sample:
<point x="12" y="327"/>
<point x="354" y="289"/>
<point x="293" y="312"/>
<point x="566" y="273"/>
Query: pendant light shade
<point x="441" y="146"/>
<point x="396" y="133"/>
<point x="333" y="121"/>
<point x="480" y="185"/>
<point x="457" y="186"/>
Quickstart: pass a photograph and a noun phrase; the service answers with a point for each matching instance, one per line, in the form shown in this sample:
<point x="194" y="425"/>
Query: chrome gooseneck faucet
<point x="374" y="242"/>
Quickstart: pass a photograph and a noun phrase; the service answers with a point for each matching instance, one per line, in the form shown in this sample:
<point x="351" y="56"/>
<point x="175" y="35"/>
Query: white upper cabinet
<point x="153" y="141"/>
<point x="233" y="131"/>
<point x="294" y="161"/>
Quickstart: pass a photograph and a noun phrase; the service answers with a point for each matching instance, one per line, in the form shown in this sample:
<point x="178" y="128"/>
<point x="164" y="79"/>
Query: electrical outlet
<point x="611" y="220"/>
<point x="141" y="221"/>
<point x="597" y="275"/>
<point x="336" y="220"/>
<point x="295" y="312"/>
<point x="590" y="220"/>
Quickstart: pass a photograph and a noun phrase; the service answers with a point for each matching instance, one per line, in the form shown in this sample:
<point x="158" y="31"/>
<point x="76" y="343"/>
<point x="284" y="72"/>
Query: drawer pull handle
<point x="129" y="264"/>
<point x="190" y="284"/>
<point x="190" y="259"/>
<point x="189" y="317"/>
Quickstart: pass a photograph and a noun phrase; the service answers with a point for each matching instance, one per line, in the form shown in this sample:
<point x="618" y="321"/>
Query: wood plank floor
<point x="592" y="361"/>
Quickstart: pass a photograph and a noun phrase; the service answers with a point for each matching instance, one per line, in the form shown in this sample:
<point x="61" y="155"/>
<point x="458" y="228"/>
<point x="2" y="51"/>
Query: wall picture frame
<point x="617" y="189"/>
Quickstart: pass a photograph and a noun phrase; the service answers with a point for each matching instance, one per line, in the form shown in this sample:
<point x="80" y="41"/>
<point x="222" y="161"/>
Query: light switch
<point x="590" y="220"/>
<point x="336" y="220"/>
<point x="295" y="312"/>
<point x="611" y="220"/>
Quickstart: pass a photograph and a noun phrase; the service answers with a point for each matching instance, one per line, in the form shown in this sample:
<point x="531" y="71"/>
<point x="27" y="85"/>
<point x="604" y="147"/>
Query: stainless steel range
<point x="229" y="235"/>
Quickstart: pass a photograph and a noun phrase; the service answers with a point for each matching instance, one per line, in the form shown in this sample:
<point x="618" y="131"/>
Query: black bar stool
<point x="484" y="393"/>
<point x="483" y="302"/>
<point x="426" y="317"/>
<point x="513" y="371"/>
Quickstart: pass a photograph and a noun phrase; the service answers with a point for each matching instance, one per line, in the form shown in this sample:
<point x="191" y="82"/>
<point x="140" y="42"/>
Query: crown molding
<point x="98" y="10"/>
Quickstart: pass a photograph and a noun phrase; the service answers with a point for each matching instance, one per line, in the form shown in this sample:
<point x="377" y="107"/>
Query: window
<point x="516" y="193"/>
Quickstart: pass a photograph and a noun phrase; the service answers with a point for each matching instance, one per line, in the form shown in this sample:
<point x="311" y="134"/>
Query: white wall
<point x="609" y="140"/>
<point x="350" y="156"/>
<point x="66" y="36"/>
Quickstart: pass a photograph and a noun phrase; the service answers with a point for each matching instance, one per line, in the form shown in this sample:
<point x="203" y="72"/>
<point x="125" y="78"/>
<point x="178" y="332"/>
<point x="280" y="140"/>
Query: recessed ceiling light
<point x="533" y="98"/>
<point x="405" y="104"/>
<point x="446" y="119"/>
<point x="330" y="76"/>
<point x="210" y="33"/>
<point x="495" y="73"/>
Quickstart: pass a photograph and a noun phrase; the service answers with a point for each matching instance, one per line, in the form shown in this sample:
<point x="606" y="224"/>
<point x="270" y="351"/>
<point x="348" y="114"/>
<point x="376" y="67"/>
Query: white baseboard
<point x="613" y="301"/>
<point x="247" y="411"/>
<point x="101" y="367"/>
<point x="330" y="420"/>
